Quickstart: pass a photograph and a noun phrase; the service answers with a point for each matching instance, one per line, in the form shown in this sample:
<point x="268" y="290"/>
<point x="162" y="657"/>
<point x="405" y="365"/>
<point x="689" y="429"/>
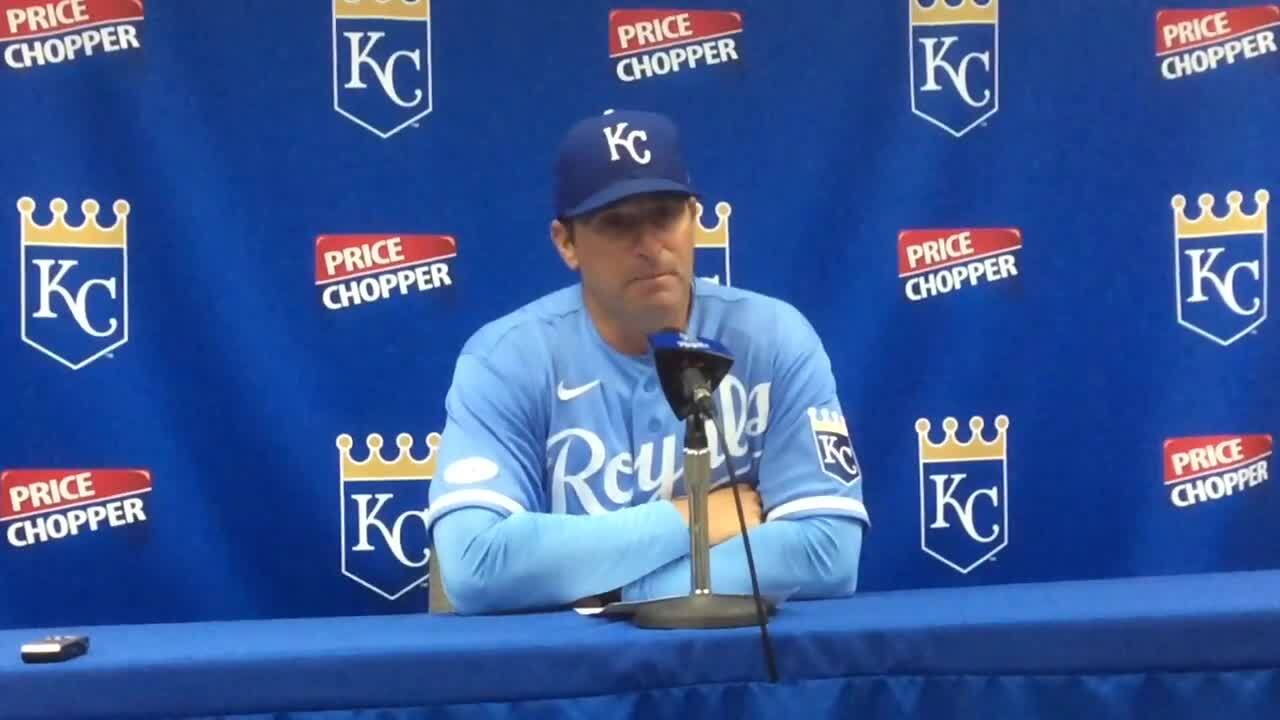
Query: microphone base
<point x="706" y="610"/>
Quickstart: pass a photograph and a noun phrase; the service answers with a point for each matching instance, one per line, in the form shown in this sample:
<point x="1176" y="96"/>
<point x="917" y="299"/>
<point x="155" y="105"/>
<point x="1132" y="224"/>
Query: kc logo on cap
<point x="612" y="156"/>
<point x="614" y="137"/>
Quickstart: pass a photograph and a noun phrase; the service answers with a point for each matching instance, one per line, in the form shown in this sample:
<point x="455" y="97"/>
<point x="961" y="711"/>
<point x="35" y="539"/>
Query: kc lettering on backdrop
<point x="1221" y="264"/>
<point x="383" y="514"/>
<point x="964" y="494"/>
<point x="74" y="282"/>
<point x="382" y="63"/>
<point x="35" y="34"/>
<point x="954" y="58"/>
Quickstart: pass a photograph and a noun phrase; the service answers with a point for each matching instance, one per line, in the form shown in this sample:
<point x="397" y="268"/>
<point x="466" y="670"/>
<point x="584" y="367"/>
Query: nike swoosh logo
<point x="565" y="393"/>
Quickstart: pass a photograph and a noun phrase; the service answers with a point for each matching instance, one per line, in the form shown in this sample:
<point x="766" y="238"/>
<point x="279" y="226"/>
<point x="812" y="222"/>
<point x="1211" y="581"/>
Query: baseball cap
<point x="615" y="155"/>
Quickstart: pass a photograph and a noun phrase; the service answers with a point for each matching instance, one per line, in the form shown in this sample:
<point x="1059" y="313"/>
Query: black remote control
<point x="55" y="648"/>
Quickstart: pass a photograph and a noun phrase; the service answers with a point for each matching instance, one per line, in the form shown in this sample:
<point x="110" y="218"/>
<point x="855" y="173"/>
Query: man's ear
<point x="562" y="238"/>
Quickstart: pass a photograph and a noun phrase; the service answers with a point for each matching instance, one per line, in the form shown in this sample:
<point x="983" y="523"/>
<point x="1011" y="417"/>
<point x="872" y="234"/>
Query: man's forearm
<point x="533" y="560"/>
<point x="811" y="557"/>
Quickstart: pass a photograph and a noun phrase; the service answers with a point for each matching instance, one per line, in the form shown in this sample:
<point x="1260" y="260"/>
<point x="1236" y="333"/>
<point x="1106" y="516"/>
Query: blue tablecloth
<point x="1205" y="646"/>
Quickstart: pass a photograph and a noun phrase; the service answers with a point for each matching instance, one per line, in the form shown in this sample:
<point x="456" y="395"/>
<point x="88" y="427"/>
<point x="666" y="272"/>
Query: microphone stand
<point x="701" y="608"/>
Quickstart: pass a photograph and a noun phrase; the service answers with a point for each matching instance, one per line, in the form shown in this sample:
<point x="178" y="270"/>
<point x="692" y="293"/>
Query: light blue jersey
<point x="544" y="416"/>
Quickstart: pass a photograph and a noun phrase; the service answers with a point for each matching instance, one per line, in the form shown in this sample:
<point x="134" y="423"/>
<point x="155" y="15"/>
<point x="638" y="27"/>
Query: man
<point x="561" y="460"/>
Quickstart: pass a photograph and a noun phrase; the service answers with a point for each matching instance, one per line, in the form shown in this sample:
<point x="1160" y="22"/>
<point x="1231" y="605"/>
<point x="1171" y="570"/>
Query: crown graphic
<point x="383" y="9"/>
<point x="940" y="13"/>
<point x="1233" y="223"/>
<point x="829" y="421"/>
<point x="58" y="232"/>
<point x="404" y="467"/>
<point x="952" y="449"/>
<point x="717" y="236"/>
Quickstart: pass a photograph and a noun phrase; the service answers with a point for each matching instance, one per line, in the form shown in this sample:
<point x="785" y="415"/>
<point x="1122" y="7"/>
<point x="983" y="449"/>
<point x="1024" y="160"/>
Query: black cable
<point x="769" y="660"/>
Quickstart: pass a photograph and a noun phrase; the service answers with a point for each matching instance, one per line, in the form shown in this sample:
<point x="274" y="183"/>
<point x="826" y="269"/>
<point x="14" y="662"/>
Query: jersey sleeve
<point x="808" y="466"/>
<point x="492" y="445"/>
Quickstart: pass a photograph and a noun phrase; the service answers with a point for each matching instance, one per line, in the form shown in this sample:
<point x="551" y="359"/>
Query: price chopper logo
<point x="356" y="269"/>
<point x="964" y="494"/>
<point x="1191" y="42"/>
<point x="1221" y="267"/>
<point x="34" y="34"/>
<point x="42" y="506"/>
<point x="711" y="246"/>
<point x="649" y="43"/>
<point x="382" y="63"/>
<point x="936" y="262"/>
<point x="1212" y="467"/>
<point x="384" y="515"/>
<point x="954" y="61"/>
<point x="74" y="283"/>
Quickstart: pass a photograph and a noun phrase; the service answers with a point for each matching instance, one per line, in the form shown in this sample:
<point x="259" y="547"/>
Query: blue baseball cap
<point x="612" y="156"/>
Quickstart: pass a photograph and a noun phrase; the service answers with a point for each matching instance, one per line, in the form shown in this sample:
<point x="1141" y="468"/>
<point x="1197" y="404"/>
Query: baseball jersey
<point x="544" y="416"/>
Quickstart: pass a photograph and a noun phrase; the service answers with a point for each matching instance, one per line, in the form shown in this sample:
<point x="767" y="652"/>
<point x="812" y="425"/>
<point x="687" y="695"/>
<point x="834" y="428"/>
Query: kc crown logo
<point x="954" y="61"/>
<point x="1212" y="467"/>
<point x="711" y="245"/>
<point x="936" y="262"/>
<point x="355" y="269"/>
<point x="649" y="43"/>
<point x="382" y="63"/>
<point x="384" y="515"/>
<point x="34" y="33"/>
<point x="44" y="506"/>
<point x="74" y="283"/>
<point x="835" y="451"/>
<point x="1191" y="42"/>
<point x="1221" y="267"/>
<point x="964" y="494"/>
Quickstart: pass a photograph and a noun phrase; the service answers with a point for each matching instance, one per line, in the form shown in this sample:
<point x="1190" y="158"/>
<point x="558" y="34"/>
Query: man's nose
<point x="650" y="242"/>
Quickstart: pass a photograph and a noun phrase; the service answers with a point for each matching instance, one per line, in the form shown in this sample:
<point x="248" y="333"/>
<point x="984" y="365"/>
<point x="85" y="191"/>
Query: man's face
<point x="636" y="256"/>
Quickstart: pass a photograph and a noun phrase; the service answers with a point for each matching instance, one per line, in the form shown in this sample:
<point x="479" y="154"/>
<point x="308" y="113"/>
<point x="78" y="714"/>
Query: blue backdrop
<point x="1024" y="158"/>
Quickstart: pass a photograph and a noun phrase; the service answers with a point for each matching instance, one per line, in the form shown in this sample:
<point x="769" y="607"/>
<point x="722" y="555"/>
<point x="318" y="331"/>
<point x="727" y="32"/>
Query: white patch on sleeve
<point x="470" y="470"/>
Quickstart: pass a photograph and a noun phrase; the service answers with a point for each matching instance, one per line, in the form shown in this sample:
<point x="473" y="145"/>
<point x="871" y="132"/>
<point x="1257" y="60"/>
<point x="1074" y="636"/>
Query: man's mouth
<point x="652" y="276"/>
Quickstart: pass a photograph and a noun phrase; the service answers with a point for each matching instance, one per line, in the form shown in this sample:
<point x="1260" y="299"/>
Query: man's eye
<point x="667" y="213"/>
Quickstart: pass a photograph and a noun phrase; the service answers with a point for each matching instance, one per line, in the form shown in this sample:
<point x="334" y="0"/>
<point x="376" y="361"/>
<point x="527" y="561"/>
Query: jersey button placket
<point x="654" y="400"/>
<point x="642" y="405"/>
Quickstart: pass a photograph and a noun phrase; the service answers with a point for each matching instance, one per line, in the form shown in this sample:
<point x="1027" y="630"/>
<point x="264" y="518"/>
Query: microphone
<point x="695" y="383"/>
<point x="690" y="368"/>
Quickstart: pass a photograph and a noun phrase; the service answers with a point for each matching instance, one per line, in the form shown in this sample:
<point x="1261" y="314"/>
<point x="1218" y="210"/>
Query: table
<point x="1203" y="646"/>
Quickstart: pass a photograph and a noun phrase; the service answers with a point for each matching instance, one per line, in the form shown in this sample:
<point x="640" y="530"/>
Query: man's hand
<point x="722" y="514"/>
